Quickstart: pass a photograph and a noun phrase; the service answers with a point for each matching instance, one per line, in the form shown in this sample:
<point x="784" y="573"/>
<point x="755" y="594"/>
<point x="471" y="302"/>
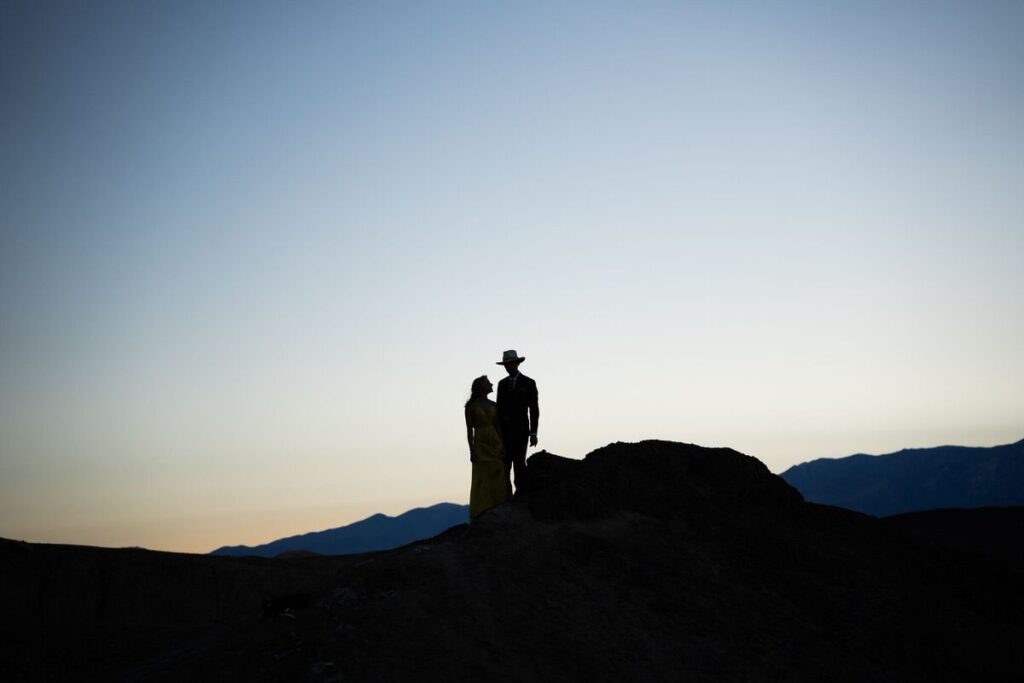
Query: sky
<point x="252" y="255"/>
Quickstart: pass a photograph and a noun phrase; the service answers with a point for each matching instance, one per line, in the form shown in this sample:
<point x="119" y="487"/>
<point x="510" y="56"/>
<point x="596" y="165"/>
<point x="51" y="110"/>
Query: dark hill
<point x="997" y="532"/>
<point x="379" y="532"/>
<point x="652" y="561"/>
<point x="915" y="479"/>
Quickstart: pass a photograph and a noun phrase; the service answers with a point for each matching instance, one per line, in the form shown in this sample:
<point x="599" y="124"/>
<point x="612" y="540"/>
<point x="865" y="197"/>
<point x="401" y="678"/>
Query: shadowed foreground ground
<point x="648" y="561"/>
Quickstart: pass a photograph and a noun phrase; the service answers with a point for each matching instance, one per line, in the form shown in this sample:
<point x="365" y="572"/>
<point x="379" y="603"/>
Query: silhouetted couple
<point x="498" y="434"/>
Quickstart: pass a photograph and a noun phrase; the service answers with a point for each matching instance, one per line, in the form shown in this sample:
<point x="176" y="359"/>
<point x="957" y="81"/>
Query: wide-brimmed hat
<point x="510" y="356"/>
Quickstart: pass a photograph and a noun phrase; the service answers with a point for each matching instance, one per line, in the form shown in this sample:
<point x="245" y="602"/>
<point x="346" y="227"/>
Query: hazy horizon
<point x="252" y="256"/>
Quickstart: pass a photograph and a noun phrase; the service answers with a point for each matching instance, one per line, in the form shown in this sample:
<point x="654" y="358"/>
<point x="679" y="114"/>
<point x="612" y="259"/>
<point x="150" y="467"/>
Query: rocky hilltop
<point x="646" y="561"/>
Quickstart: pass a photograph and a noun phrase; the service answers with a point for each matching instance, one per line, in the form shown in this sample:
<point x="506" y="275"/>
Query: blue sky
<point x="252" y="255"/>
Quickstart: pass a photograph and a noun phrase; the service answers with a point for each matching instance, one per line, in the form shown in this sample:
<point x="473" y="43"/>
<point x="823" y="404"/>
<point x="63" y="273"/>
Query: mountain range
<point x="652" y="561"/>
<point x="379" y="532"/>
<point x="915" y="479"/>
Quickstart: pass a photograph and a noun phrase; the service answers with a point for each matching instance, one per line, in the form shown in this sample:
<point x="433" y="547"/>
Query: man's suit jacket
<point x="513" y="406"/>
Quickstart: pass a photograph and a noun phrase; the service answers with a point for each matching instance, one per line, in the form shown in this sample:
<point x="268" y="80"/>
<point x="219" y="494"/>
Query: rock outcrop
<point x="657" y="478"/>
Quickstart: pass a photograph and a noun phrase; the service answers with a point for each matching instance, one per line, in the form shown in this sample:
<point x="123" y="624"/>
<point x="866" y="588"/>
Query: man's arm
<point x="534" y="414"/>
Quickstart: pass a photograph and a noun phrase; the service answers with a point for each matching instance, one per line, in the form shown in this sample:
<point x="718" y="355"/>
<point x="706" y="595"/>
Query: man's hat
<point x="510" y="356"/>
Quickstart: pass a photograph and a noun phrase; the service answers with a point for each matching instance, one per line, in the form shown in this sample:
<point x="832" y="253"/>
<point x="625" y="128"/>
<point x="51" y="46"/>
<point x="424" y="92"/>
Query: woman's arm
<point x="469" y="435"/>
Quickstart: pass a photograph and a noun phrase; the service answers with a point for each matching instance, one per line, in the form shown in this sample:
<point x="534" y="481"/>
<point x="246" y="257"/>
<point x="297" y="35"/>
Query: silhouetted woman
<point x="490" y="484"/>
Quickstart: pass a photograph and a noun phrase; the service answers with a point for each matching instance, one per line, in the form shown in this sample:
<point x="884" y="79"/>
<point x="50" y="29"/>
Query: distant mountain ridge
<point x="915" y="479"/>
<point x="377" y="532"/>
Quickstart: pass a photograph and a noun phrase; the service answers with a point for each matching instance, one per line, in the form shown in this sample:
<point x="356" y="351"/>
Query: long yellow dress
<point x="490" y="483"/>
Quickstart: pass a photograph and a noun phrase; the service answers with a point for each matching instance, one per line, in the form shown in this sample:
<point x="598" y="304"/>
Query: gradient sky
<point x="253" y="254"/>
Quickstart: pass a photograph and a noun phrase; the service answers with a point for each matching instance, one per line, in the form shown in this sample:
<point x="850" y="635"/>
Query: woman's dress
<point x="490" y="483"/>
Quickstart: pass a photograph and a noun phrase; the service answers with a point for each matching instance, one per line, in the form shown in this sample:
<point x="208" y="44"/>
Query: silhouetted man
<point x="518" y="414"/>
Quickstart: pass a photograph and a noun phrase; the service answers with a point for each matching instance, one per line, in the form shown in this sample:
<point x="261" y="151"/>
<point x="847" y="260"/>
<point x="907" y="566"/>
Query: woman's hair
<point x="478" y="390"/>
